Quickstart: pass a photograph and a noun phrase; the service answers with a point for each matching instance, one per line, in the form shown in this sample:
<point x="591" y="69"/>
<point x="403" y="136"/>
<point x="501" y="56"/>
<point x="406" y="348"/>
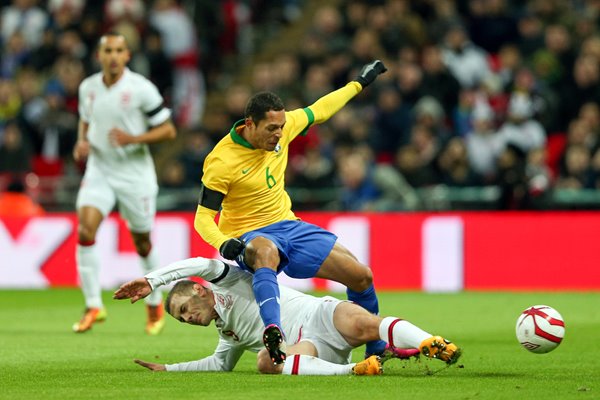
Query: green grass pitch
<point x="40" y="358"/>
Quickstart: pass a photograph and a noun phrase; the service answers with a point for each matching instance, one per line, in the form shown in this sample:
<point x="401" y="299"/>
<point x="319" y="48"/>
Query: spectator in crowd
<point x="15" y="202"/>
<point x="521" y="129"/>
<point x="467" y="62"/>
<point x="15" y="150"/>
<point x="483" y="144"/>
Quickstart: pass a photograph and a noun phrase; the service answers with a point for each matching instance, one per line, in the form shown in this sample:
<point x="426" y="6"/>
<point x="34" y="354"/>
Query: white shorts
<point x="137" y="203"/>
<point x="321" y="332"/>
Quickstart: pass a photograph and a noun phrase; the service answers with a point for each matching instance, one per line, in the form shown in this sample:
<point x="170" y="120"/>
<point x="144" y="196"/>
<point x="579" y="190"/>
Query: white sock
<point x="300" y="364"/>
<point x="402" y="334"/>
<point x="88" y="266"/>
<point x="149" y="264"/>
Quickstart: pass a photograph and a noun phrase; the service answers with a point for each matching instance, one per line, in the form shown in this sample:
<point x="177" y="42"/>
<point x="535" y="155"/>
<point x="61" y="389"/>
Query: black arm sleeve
<point x="210" y="198"/>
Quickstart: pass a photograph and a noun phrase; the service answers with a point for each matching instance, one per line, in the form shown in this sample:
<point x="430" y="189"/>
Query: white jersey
<point x="132" y="104"/>
<point x="239" y="324"/>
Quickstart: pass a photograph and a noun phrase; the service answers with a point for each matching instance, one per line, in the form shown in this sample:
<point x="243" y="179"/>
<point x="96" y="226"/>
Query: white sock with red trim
<point x="88" y="268"/>
<point x="300" y="364"/>
<point x="401" y="334"/>
<point x="149" y="264"/>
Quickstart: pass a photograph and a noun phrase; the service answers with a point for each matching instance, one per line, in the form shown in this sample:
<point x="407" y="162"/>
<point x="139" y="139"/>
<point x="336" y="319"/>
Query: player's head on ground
<point x="264" y="119"/>
<point x="113" y="54"/>
<point x="192" y="303"/>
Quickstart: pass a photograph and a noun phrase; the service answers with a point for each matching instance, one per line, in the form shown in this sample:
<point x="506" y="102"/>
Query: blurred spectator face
<point x="409" y="77"/>
<point x="262" y="77"/>
<point x="352" y="170"/>
<point x="12" y="137"/>
<point x="454" y="154"/>
<point x="578" y="132"/>
<point x="356" y="13"/>
<point x="407" y="159"/>
<point x="510" y="57"/>
<point x="28" y="83"/>
<point x="421" y="137"/>
<point x="585" y="71"/>
<point x="317" y="79"/>
<point x="524" y="80"/>
<point x="327" y="21"/>
<point x="236" y="99"/>
<point x="113" y="55"/>
<point x="432" y="60"/>
<point x="530" y="26"/>
<point x="590" y="113"/>
<point x="591" y="47"/>
<point x="70" y="73"/>
<point x="577" y="160"/>
<point x="388" y="100"/>
<point x="456" y="38"/>
<point x="378" y="19"/>
<point x="537" y="157"/>
<point x="287" y="68"/>
<point x="365" y="44"/>
<point x="557" y="39"/>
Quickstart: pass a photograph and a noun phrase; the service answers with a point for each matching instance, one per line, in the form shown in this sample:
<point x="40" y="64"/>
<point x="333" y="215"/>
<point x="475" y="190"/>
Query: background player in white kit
<point x="121" y="112"/>
<point x="321" y="331"/>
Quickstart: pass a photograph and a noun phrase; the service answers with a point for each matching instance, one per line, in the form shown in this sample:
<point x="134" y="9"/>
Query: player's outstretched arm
<point x="150" y="366"/>
<point x="134" y="290"/>
<point x="328" y="105"/>
<point x="159" y="133"/>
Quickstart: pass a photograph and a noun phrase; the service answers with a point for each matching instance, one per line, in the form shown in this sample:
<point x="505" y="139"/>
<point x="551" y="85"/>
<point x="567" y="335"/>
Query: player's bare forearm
<point x="82" y="146"/>
<point x="160" y="133"/>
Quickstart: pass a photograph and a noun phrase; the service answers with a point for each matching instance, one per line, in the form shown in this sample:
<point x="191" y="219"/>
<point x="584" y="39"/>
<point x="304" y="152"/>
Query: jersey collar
<point x="236" y="137"/>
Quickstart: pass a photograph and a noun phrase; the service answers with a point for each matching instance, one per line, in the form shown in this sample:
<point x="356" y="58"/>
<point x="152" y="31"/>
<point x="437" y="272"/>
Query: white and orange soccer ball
<point x="540" y="329"/>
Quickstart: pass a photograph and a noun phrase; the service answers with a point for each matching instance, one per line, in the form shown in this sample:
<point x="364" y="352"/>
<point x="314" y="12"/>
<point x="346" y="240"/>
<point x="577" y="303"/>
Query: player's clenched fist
<point x="232" y="248"/>
<point x="369" y="72"/>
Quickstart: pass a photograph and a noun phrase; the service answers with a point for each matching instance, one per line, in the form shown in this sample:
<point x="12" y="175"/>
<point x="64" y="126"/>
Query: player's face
<point x="193" y="310"/>
<point x="267" y="132"/>
<point x="113" y="54"/>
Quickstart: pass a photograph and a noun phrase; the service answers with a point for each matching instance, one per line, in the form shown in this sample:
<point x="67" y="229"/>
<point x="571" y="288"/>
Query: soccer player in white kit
<point x="121" y="112"/>
<point x="321" y="331"/>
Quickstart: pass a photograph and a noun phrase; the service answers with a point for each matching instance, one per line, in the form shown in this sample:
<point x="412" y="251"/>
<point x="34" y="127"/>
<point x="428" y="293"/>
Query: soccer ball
<point x="540" y="329"/>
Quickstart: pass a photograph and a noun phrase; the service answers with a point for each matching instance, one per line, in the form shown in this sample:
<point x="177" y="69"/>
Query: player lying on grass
<point x="324" y="327"/>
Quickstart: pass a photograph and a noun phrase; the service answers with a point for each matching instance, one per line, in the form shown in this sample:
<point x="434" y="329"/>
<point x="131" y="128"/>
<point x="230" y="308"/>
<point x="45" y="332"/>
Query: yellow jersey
<point x="253" y="180"/>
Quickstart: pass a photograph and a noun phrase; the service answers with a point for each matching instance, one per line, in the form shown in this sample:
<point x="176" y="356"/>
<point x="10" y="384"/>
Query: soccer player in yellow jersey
<point x="244" y="180"/>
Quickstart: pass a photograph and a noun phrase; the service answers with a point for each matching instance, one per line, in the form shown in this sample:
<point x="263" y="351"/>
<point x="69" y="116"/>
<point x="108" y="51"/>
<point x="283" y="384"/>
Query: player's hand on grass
<point x="369" y="72"/>
<point x="232" y="248"/>
<point x="81" y="150"/>
<point x="151" y="366"/>
<point x="134" y="290"/>
<point x="118" y="137"/>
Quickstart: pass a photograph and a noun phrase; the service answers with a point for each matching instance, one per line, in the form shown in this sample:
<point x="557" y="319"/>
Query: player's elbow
<point x="171" y="132"/>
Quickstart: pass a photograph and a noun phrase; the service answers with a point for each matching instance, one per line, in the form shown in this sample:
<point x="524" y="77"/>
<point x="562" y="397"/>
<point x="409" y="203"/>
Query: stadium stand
<point x="486" y="104"/>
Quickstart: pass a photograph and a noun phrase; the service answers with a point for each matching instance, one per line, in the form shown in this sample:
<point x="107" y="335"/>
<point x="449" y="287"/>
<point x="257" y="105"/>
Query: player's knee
<point x="365" y="280"/>
<point x="261" y="252"/>
<point x="264" y="363"/>
<point x="85" y="233"/>
<point x="142" y="246"/>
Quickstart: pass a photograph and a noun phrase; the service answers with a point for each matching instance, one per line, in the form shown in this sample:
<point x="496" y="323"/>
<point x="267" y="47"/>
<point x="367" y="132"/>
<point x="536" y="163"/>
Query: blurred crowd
<point x="479" y="93"/>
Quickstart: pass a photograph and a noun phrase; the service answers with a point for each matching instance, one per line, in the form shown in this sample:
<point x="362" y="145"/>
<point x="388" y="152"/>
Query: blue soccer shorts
<point x="303" y="247"/>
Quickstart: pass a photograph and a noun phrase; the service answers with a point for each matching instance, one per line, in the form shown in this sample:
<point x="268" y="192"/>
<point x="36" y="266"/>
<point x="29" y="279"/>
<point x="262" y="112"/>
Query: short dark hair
<point x="111" y="33"/>
<point x="184" y="287"/>
<point x="262" y="102"/>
